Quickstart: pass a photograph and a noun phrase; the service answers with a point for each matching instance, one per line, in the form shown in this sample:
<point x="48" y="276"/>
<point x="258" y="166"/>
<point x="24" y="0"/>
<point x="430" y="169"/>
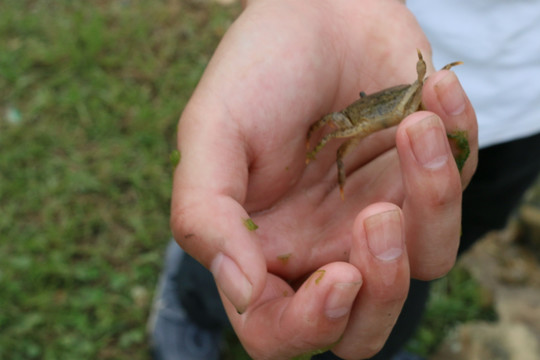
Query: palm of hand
<point x="287" y="83"/>
<point x="242" y="139"/>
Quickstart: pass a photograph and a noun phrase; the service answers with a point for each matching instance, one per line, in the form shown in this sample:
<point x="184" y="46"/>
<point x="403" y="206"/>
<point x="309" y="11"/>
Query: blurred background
<point x="90" y="94"/>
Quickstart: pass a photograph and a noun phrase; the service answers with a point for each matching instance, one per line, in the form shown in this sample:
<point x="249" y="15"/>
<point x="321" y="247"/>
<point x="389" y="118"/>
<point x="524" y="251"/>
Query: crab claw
<point x="455" y="63"/>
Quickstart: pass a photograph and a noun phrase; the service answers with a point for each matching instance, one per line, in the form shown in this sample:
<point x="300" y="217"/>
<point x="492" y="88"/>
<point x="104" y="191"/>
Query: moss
<point x="460" y="139"/>
<point x="250" y="225"/>
<point x="175" y="158"/>
<point x="284" y="258"/>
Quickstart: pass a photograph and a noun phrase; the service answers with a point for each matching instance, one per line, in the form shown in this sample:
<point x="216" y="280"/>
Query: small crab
<point x="369" y="114"/>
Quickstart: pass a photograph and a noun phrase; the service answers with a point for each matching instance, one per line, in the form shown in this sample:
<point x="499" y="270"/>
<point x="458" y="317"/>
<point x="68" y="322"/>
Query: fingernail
<point x="341" y="298"/>
<point x="384" y="235"/>
<point x="428" y="142"/>
<point x="232" y="281"/>
<point x="450" y="94"/>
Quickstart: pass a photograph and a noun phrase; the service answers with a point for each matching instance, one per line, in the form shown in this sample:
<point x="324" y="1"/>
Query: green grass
<point x="454" y="299"/>
<point x="90" y="93"/>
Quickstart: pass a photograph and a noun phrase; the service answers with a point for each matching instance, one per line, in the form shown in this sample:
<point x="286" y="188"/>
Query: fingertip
<point x="433" y="192"/>
<point x="444" y="95"/>
<point x="379" y="248"/>
<point x="379" y="252"/>
<point x="217" y="231"/>
<point x="232" y="281"/>
<point x="430" y="172"/>
<point x="302" y="322"/>
<point x="240" y="280"/>
<point x="329" y="291"/>
<point x="424" y="134"/>
<point x="370" y="211"/>
<point x="450" y="93"/>
<point x="384" y="233"/>
<point x="324" y="301"/>
<point x="340" y="299"/>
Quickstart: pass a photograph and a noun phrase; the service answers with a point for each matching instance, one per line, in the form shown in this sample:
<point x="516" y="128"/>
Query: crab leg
<point x="451" y="65"/>
<point x="341" y="152"/>
<point x="316" y="126"/>
<point x="336" y="134"/>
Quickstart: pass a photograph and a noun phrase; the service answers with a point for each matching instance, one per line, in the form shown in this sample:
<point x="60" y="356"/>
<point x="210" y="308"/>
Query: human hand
<point x="280" y="67"/>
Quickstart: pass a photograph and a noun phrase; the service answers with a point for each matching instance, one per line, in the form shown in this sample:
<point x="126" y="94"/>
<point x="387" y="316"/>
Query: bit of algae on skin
<point x="459" y="138"/>
<point x="321" y="275"/>
<point x="175" y="158"/>
<point x="284" y="258"/>
<point x="317" y="275"/>
<point x="250" y="225"/>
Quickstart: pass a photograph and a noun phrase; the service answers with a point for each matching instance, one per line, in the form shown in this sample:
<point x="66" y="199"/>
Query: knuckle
<point x="183" y="219"/>
<point x="388" y="295"/>
<point x="178" y="219"/>
<point x="443" y="193"/>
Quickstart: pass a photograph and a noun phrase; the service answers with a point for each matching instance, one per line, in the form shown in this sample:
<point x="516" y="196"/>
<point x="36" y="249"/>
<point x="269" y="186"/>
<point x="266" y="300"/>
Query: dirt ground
<point x="507" y="265"/>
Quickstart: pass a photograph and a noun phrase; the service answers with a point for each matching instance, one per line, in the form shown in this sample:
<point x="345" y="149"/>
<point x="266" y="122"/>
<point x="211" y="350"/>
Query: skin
<point x="282" y="65"/>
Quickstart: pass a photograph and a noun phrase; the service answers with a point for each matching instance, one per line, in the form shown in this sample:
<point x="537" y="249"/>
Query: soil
<point x="507" y="265"/>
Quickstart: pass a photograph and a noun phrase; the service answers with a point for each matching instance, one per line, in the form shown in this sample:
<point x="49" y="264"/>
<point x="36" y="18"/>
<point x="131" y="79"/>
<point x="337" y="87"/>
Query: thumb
<point x="216" y="231"/>
<point x="207" y="218"/>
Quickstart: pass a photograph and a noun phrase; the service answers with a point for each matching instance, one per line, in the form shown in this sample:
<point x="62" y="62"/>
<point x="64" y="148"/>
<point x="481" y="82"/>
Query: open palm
<point x="281" y="66"/>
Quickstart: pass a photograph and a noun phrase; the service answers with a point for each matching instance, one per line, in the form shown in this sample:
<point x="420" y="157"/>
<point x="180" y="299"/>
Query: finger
<point x="444" y="95"/>
<point x="379" y="253"/>
<point x="206" y="216"/>
<point x="298" y="323"/>
<point x="432" y="185"/>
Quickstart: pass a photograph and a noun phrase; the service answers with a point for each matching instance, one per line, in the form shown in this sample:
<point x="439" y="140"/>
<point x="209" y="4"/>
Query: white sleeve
<point x="499" y="43"/>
